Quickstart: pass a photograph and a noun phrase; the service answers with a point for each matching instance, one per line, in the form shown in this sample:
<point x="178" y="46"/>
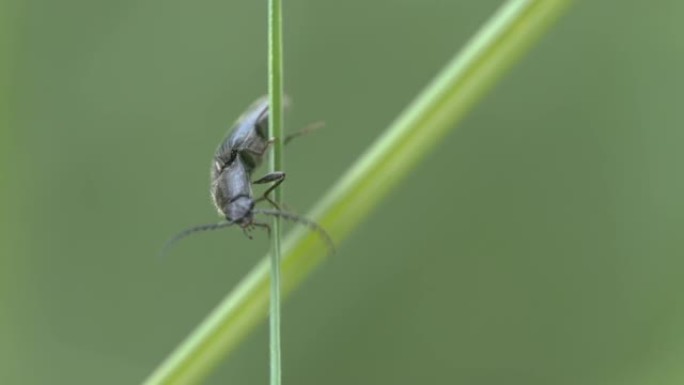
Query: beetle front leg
<point x="265" y="226"/>
<point x="276" y="177"/>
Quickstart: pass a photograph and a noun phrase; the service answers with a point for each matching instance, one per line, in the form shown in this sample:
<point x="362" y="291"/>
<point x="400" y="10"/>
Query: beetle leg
<point x="304" y="131"/>
<point x="276" y="178"/>
<point x="245" y="230"/>
<point x="264" y="226"/>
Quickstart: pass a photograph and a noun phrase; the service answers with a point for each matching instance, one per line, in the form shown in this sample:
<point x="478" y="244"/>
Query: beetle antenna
<point x="304" y="221"/>
<point x="190" y="231"/>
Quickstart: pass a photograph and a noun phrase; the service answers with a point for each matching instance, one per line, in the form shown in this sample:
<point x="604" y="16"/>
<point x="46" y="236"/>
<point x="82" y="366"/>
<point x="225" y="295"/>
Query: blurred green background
<point x="540" y="244"/>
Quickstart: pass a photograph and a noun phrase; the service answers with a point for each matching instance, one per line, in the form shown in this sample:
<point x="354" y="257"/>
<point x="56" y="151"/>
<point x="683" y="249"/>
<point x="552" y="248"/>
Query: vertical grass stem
<point x="275" y="92"/>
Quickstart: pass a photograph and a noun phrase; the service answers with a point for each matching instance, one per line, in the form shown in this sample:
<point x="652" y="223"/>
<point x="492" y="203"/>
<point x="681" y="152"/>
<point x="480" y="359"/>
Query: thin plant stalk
<point x="275" y="92"/>
<point x="9" y="199"/>
<point x="418" y="129"/>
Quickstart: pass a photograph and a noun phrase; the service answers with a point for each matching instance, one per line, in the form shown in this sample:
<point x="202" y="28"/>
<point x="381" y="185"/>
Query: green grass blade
<point x="275" y="92"/>
<point x="492" y="51"/>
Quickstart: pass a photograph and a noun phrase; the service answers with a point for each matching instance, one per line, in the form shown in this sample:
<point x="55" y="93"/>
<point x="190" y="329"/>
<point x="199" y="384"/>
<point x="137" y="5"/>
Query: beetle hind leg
<point x="276" y="178"/>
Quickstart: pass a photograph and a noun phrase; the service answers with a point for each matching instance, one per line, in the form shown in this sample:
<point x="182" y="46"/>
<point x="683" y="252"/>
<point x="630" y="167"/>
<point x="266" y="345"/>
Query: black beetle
<point x="235" y="159"/>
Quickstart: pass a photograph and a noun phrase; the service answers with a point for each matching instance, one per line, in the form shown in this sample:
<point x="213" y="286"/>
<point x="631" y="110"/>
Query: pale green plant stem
<point x="275" y="92"/>
<point x="417" y="130"/>
<point x="8" y="269"/>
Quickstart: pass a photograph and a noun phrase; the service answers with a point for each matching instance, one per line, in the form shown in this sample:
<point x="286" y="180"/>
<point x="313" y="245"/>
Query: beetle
<point x="246" y="144"/>
<point x="234" y="161"/>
